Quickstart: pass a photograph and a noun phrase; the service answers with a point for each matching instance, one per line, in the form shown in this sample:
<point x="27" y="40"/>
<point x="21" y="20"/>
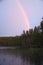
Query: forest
<point x="30" y="38"/>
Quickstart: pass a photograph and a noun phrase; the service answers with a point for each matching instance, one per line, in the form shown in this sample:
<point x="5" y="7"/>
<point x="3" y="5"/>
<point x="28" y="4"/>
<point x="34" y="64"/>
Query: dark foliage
<point x="31" y="38"/>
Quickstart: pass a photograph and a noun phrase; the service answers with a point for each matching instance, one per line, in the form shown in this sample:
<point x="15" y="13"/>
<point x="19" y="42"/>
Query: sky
<point x="19" y="15"/>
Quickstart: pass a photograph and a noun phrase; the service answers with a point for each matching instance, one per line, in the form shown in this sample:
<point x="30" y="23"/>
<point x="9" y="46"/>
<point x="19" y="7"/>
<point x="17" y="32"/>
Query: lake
<point x="13" y="56"/>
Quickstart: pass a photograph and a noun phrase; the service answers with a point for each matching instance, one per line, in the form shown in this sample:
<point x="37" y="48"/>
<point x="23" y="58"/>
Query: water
<point x="14" y="57"/>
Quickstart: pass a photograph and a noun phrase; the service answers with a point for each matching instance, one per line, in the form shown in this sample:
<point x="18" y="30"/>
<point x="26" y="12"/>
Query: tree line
<point x="31" y="38"/>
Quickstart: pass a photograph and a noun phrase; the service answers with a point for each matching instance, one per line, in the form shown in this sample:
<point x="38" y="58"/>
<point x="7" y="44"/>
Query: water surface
<point x="14" y="57"/>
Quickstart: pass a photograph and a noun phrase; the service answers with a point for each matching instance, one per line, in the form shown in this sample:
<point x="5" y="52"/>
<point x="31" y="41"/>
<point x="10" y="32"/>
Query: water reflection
<point x="17" y="57"/>
<point x="9" y="60"/>
<point x="32" y="58"/>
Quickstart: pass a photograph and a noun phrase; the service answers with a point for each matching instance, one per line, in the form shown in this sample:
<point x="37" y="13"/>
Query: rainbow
<point x="24" y="14"/>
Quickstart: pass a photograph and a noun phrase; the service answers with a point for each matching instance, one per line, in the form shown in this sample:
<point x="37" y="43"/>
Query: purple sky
<point x="12" y="22"/>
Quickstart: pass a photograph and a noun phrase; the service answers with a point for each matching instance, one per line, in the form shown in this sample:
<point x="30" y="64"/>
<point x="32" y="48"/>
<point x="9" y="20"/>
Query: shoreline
<point x="5" y="47"/>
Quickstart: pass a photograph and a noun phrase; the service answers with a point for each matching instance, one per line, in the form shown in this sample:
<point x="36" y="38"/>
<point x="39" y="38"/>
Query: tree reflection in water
<point x="32" y="58"/>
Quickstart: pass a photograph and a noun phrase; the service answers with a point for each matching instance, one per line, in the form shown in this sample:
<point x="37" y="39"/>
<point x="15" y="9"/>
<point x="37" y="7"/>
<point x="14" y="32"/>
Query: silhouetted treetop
<point x="41" y="25"/>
